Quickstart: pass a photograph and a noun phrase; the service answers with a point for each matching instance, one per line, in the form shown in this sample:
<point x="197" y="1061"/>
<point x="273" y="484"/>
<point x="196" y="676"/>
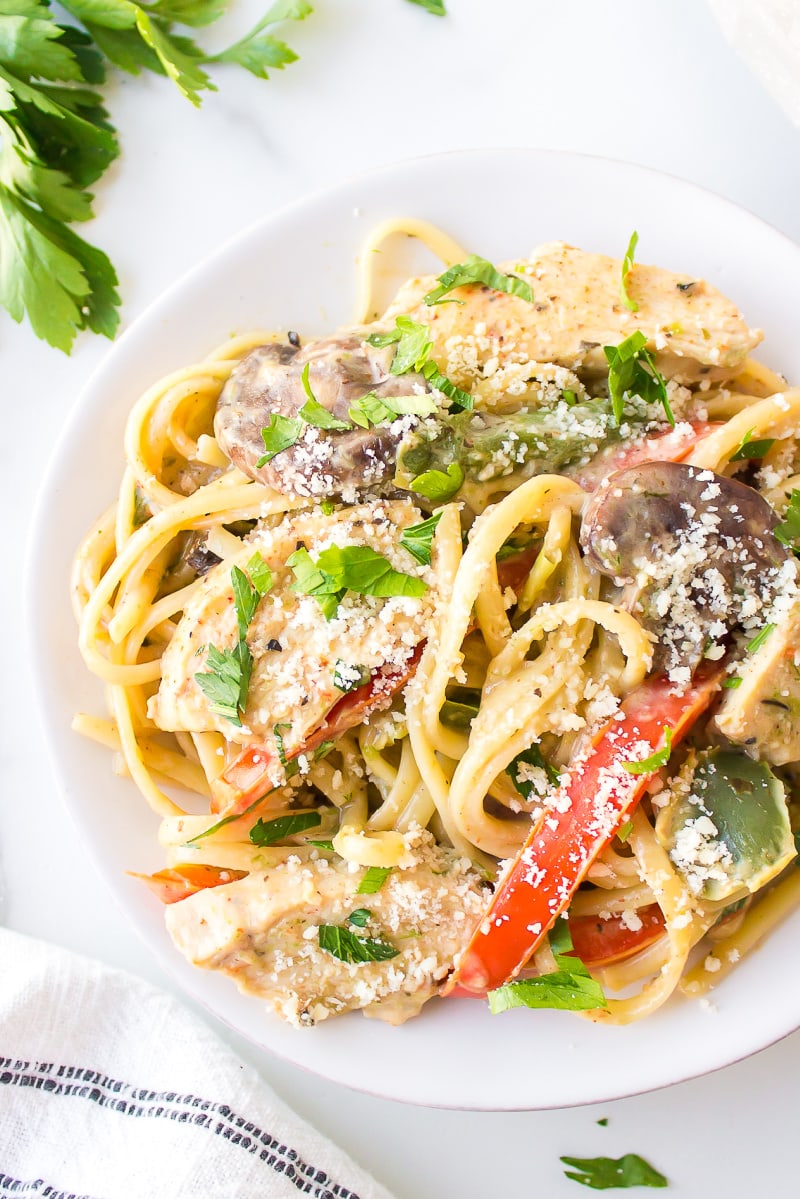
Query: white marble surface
<point x="380" y="80"/>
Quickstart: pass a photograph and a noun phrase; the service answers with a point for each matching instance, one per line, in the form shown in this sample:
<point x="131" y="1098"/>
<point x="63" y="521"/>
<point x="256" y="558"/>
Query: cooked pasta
<point x="459" y="648"/>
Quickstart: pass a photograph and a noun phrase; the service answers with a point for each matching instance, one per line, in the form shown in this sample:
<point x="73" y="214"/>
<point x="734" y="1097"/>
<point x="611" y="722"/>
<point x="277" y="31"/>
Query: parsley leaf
<point x="348" y="947"/>
<point x="752" y="449"/>
<point x="280" y="434"/>
<point x="462" y="400"/>
<point x="267" y="832"/>
<point x="418" y="539"/>
<point x="624" y="831"/>
<point x="732" y="682"/>
<point x="434" y="6"/>
<point x="437" y="485"/>
<point x="531" y="757"/>
<point x="759" y="639"/>
<point x="350" y="678"/>
<point x="570" y="988"/>
<point x="372" y="409"/>
<point x="604" y="1173"/>
<point x="260" y="574"/>
<point x="227" y="679"/>
<point x="373" y="880"/>
<point x="247" y="593"/>
<point x="360" y="917"/>
<point x="316" y="414"/>
<point x="659" y="758"/>
<point x="632" y="371"/>
<point x="258" y="50"/>
<point x="788" y="531"/>
<point x="350" y="568"/>
<point x="475" y="269"/>
<point x="627" y="264"/>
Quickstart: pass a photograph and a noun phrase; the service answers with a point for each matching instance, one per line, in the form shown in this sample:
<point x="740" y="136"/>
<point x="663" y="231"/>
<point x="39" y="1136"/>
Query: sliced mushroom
<point x="269" y="382"/>
<point x="694" y="550"/>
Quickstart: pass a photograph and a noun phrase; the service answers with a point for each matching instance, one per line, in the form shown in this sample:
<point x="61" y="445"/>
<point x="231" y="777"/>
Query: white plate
<point x="296" y="269"/>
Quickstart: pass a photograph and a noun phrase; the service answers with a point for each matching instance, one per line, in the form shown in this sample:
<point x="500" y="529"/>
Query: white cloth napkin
<point x="767" y="35"/>
<point x="111" y="1089"/>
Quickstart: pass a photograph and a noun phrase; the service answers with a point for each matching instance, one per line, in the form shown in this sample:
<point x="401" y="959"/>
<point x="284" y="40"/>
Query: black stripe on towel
<point x="218" y="1118"/>
<point x="17" y="1188"/>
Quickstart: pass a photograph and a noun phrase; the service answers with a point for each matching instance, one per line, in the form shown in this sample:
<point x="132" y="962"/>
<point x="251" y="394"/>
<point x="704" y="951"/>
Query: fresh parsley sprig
<point x="414" y="345"/>
<point x="56" y="139"/>
<point x="632" y="371"/>
<point x="227" y="680"/>
<point x="788" y="531"/>
<point x="418" y="539"/>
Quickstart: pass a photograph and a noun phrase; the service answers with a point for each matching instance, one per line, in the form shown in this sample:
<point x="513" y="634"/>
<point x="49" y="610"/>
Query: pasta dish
<point x="457" y="651"/>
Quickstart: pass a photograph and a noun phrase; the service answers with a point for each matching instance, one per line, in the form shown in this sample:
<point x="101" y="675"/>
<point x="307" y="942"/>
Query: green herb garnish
<point x="413" y="341"/>
<point x="314" y="413"/>
<point x="604" y="1173"/>
<point x="439" y="486"/>
<point x="354" y="568"/>
<point x="373" y="880"/>
<point x="657" y="759"/>
<point x="267" y="832"/>
<point x="328" y="845"/>
<point x="732" y="682"/>
<point x="627" y="264"/>
<point x="475" y="269"/>
<point x="418" y="539"/>
<point x="570" y="988"/>
<point x="434" y="6"/>
<point x="348" y="947"/>
<point x="461" y="400"/>
<point x="350" y="678"/>
<point x="531" y="757"/>
<point x="788" y="531"/>
<point x="752" y="449"/>
<point x="226" y="681"/>
<point x="760" y="638"/>
<point x="372" y="409"/>
<point x="632" y="371"/>
<point x="56" y="138"/>
<point x="360" y="917"/>
<point x="280" y="434"/>
<point x="624" y="831"/>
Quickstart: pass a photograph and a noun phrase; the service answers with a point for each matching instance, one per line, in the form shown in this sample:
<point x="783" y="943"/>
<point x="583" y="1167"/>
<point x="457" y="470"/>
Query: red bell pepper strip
<point x="181" y="881"/>
<point x="602" y="942"/>
<point x="595" y="797"/>
<point x="247" y="778"/>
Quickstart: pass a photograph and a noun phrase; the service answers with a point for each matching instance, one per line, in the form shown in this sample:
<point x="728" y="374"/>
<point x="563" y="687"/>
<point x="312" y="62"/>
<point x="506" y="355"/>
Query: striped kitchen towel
<point x="111" y="1089"/>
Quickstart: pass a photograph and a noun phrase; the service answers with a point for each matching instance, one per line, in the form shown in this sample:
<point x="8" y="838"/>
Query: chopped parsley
<point x="372" y="409"/>
<point x="760" y="638"/>
<point x="280" y="434"/>
<point x="226" y="681"/>
<point x="659" y="758"/>
<point x="347" y="946"/>
<point x="627" y="266"/>
<point x="604" y="1173"/>
<point x="531" y="757"/>
<point x="316" y="414"/>
<point x="752" y="449"/>
<point x="350" y="678"/>
<point x="732" y="682"/>
<point x="414" y="345"/>
<point x="624" y="831"/>
<point x="267" y="832"/>
<point x="340" y="569"/>
<point x="373" y="880"/>
<point x="437" y="485"/>
<point x="475" y="269"/>
<point x="328" y="845"/>
<point x="632" y="371"/>
<point x="570" y="988"/>
<point x="360" y="917"/>
<point x="418" y="539"/>
<point x="788" y="531"/>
